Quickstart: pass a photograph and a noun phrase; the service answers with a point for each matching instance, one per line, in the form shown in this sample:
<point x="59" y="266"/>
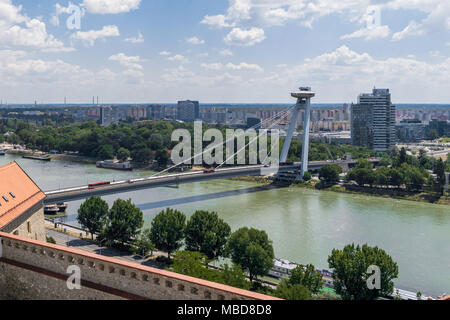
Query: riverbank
<point x="366" y="191"/>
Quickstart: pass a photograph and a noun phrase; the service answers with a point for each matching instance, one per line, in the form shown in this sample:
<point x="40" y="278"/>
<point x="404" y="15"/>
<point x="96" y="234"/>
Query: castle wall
<point x="30" y="269"/>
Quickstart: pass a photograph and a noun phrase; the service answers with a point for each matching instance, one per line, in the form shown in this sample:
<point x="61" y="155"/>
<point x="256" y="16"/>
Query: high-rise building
<point x="109" y="115"/>
<point x="373" y="121"/>
<point x="156" y="112"/>
<point x="188" y="111"/>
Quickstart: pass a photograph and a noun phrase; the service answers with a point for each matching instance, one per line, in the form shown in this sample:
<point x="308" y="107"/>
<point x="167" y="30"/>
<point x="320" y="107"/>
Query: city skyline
<point x="236" y="51"/>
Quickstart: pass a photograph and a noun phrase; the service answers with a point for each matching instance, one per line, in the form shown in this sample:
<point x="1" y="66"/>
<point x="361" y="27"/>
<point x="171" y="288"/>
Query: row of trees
<point x="402" y="171"/>
<point x="209" y="235"/>
<point x="204" y="232"/>
<point x="122" y="223"/>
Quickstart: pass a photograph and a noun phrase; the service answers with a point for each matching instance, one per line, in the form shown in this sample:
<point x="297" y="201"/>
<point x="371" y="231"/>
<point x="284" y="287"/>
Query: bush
<point x="307" y="176"/>
<point x="51" y="240"/>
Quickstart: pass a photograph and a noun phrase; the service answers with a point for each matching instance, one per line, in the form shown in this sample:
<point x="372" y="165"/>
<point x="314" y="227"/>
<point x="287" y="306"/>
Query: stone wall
<point x="36" y="227"/>
<point x="30" y="269"/>
<point x="30" y="224"/>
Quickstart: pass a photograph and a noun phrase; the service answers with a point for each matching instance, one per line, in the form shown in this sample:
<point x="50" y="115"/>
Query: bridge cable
<point x="250" y="142"/>
<point x="234" y="137"/>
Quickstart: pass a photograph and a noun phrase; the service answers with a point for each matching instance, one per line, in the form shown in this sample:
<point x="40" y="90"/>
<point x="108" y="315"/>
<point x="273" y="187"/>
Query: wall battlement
<point x="31" y="269"/>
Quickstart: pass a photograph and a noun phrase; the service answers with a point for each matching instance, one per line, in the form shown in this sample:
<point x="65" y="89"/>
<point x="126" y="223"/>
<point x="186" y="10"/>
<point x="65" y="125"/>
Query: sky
<point x="232" y="51"/>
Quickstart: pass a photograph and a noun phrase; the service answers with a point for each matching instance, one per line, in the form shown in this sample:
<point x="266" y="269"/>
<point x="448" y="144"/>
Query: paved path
<point x="66" y="240"/>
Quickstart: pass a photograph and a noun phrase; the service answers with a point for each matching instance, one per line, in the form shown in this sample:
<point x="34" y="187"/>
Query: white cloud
<point x="212" y="66"/>
<point x="239" y="10"/>
<point x="226" y="53"/>
<point x="17" y="69"/>
<point x="216" y="22"/>
<point x="264" y="13"/>
<point x="437" y="20"/>
<point x="17" y="29"/>
<point x="244" y="66"/>
<point x="132" y="62"/>
<point x="164" y="53"/>
<point x="89" y="37"/>
<point x="178" y="57"/>
<point x="110" y="6"/>
<point x="138" y="39"/>
<point x="380" y="32"/>
<point x="195" y="40"/>
<point x="343" y="70"/>
<point x="242" y="37"/>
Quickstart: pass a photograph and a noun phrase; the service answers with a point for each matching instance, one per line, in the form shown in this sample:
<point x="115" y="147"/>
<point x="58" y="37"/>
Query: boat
<point x="51" y="209"/>
<point x="2" y="153"/>
<point x="62" y="207"/>
<point x="282" y="268"/>
<point x="37" y="158"/>
<point x="115" y="165"/>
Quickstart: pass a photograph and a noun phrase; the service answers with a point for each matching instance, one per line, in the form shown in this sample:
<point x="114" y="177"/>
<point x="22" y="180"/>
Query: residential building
<point x="188" y="111"/>
<point x="156" y="112"/>
<point x="373" y="121"/>
<point x="410" y="130"/>
<point x="442" y="127"/>
<point x="109" y="115"/>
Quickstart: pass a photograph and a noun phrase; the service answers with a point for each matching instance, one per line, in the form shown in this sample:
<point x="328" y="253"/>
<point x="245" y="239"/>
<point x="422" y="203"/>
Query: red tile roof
<point x="18" y="193"/>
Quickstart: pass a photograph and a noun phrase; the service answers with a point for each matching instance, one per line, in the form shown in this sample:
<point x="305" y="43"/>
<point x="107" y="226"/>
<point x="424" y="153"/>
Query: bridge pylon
<point x="303" y="96"/>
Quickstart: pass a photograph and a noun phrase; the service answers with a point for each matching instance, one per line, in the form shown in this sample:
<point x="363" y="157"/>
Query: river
<point x="305" y="225"/>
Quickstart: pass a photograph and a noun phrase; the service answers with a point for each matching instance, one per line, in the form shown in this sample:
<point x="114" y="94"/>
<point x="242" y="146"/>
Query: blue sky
<point x="223" y="51"/>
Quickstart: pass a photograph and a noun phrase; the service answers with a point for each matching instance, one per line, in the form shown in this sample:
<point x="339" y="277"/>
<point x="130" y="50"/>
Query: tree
<point x="439" y="171"/>
<point x="363" y="176"/>
<point x="234" y="276"/>
<point x="350" y="272"/>
<point x="308" y="277"/>
<point x="92" y="214"/>
<point x="396" y="177"/>
<point x="287" y="291"/>
<point x="168" y="230"/>
<point x="252" y="250"/>
<point x="124" y="222"/>
<point x="207" y="233"/>
<point x="190" y="263"/>
<point x="162" y="157"/>
<point x="142" y="155"/>
<point x="106" y="152"/>
<point x="144" y="244"/>
<point x="363" y="164"/>
<point x="382" y="176"/>
<point x="123" y="154"/>
<point x="330" y="173"/>
<point x="401" y="158"/>
<point x="194" y="264"/>
<point x="385" y="162"/>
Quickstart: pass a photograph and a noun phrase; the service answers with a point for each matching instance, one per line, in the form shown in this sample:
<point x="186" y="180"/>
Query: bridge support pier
<point x="303" y="103"/>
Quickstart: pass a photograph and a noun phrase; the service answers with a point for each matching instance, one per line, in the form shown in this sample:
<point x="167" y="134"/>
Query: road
<point x="66" y="240"/>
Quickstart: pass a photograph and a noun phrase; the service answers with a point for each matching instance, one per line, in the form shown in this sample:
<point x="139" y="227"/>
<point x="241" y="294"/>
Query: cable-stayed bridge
<point x="164" y="178"/>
